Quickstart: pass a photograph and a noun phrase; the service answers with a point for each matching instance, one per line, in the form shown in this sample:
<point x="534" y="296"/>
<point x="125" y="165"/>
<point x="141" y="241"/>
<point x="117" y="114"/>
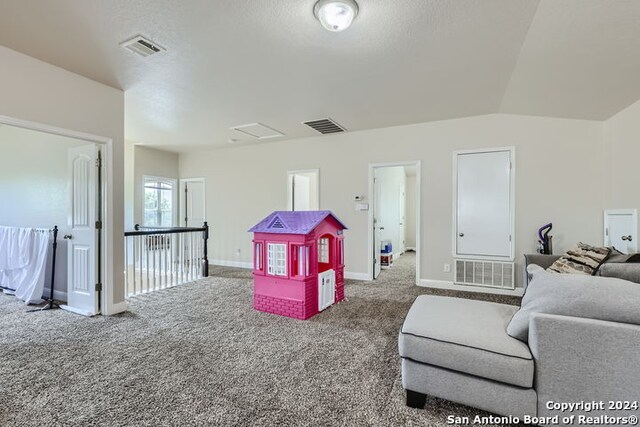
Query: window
<point x="158" y="201"/>
<point x="323" y="250"/>
<point x="300" y="261"/>
<point x="341" y="250"/>
<point x="277" y="259"/>
<point x="257" y="256"/>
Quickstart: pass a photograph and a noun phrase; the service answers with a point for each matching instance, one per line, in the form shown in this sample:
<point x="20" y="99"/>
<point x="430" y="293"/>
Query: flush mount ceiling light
<point x="335" y="15"/>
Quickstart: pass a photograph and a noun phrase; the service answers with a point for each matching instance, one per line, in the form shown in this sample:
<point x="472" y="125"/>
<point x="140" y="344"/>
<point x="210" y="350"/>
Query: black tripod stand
<point x="50" y="303"/>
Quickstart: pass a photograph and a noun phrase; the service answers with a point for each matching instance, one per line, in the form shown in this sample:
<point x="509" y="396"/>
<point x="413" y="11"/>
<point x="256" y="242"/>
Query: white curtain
<point x="23" y="257"/>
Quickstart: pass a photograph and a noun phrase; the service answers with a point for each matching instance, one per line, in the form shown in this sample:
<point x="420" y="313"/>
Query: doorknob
<point x="67" y="237"/>
<point x="381" y="228"/>
<point x="461" y="234"/>
<point x="629" y="238"/>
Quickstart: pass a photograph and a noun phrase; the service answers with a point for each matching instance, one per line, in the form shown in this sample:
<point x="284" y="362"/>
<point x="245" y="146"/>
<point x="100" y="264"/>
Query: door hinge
<point x="98" y="287"/>
<point x="509" y="237"/>
<point x="98" y="225"/>
<point x="99" y="162"/>
<point x="375" y="260"/>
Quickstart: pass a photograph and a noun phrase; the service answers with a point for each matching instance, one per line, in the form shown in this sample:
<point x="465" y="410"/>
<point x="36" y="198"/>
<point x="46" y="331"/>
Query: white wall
<point x="559" y="178"/>
<point x="622" y="145"/>
<point x="410" y="213"/>
<point x="39" y="92"/>
<point x="391" y="180"/>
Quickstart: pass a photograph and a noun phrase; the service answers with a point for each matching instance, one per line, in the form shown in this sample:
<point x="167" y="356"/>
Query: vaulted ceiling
<point x="232" y="62"/>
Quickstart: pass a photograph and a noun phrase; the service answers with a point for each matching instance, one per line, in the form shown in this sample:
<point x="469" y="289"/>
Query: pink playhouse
<point x="298" y="263"/>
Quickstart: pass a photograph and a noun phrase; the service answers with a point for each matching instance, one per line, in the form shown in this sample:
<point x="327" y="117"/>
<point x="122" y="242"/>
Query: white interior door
<point x="484" y="207"/>
<point x="192" y="202"/>
<point x="620" y="230"/>
<point x="82" y="295"/>
<point x="377" y="228"/>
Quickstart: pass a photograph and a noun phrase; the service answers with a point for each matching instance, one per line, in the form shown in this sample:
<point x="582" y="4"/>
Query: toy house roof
<point x="298" y="222"/>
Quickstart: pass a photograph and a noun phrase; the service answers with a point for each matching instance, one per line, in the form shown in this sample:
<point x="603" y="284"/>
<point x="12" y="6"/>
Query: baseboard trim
<point x="352" y="275"/>
<point x="225" y="263"/>
<point x="446" y="284"/>
<point x="58" y="295"/>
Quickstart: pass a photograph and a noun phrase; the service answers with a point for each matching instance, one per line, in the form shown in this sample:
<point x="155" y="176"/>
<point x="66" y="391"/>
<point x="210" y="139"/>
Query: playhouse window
<point x="341" y="249"/>
<point x="257" y="256"/>
<point x="323" y="250"/>
<point x="277" y="259"/>
<point x="300" y="261"/>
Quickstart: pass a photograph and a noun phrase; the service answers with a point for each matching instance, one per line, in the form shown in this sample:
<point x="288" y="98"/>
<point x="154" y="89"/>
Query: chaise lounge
<point x="460" y="350"/>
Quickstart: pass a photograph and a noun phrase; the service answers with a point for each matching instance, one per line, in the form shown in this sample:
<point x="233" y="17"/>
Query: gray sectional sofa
<point x="459" y="350"/>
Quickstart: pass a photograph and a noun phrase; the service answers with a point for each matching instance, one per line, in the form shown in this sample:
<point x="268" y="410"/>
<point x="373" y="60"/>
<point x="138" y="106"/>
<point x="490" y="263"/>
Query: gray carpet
<point x="199" y="355"/>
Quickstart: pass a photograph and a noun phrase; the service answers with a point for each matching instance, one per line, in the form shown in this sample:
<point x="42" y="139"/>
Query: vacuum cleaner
<point x="544" y="240"/>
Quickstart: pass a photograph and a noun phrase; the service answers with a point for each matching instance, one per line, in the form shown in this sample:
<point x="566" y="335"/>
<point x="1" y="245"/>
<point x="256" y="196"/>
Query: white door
<point x="192" y="202"/>
<point x="402" y="215"/>
<point x="377" y="228"/>
<point x="82" y="247"/>
<point x="620" y="230"/>
<point x="483" y="204"/>
<point x="326" y="289"/>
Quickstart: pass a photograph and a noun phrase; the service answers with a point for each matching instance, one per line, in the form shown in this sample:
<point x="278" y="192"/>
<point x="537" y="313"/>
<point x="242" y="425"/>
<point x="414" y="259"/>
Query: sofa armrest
<point x="584" y="360"/>
<point x="543" y="261"/>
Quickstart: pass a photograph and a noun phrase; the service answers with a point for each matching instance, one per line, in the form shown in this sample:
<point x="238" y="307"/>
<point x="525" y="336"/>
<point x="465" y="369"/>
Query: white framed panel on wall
<point x="484" y="204"/>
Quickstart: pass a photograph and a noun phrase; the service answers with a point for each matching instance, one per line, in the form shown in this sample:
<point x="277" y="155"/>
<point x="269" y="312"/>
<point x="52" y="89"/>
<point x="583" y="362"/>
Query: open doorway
<point x="54" y="182"/>
<point x="303" y="190"/>
<point x="394" y="215"/>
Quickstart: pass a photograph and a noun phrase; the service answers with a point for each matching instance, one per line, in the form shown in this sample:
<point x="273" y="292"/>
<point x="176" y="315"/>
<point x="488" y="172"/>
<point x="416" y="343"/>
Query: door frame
<point x="181" y="199"/>
<point x="290" y="190"/>
<point x="512" y="204"/>
<point x="107" y="247"/>
<point x="418" y="200"/>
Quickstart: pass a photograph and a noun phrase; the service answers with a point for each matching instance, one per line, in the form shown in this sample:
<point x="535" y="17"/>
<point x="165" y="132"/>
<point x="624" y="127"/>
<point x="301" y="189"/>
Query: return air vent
<point x="492" y="274"/>
<point x="258" y="130"/>
<point x="325" y="126"/>
<point x="142" y="46"/>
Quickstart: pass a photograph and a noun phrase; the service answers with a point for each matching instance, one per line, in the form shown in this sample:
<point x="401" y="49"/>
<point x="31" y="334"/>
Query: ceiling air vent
<point x="325" y="126"/>
<point x="258" y="130"/>
<point x="142" y="46"/>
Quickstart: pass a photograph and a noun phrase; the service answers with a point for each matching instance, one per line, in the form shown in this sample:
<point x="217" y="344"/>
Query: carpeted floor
<point x="199" y="355"/>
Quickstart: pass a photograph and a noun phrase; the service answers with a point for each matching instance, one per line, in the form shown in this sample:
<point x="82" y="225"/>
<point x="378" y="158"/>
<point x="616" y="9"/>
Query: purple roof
<point x="298" y="222"/>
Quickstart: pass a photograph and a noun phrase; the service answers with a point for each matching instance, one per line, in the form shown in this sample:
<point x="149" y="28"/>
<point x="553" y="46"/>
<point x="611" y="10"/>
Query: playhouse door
<point x="326" y="289"/>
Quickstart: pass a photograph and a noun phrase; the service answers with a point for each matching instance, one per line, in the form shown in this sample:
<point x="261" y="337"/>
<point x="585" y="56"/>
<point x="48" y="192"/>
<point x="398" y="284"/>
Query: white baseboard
<point x="446" y="284"/>
<point x="225" y="263"/>
<point x="352" y="275"/>
<point x="58" y="295"/>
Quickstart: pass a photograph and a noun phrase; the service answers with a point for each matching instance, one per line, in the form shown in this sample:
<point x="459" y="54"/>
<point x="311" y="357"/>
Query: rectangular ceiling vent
<point x="258" y="130"/>
<point x="325" y="126"/>
<point x="142" y="46"/>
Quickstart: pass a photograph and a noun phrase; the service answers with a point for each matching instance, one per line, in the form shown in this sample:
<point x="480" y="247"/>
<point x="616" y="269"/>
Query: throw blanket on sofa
<point x="23" y="258"/>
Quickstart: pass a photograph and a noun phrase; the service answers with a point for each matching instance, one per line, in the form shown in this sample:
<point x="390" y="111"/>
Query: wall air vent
<point x="325" y="126"/>
<point x="491" y="274"/>
<point x="258" y="130"/>
<point x="142" y="46"/>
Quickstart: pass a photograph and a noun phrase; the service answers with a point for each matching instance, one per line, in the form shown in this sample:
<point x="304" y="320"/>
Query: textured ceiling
<point x="234" y="62"/>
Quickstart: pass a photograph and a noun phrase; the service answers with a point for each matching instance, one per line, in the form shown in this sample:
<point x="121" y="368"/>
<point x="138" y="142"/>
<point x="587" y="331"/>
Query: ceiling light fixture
<point x="335" y="15"/>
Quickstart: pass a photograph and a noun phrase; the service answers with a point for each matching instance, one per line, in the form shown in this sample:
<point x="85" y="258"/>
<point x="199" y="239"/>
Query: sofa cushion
<point x="592" y="297"/>
<point x="627" y="271"/>
<point x="466" y="336"/>
<point x="582" y="259"/>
